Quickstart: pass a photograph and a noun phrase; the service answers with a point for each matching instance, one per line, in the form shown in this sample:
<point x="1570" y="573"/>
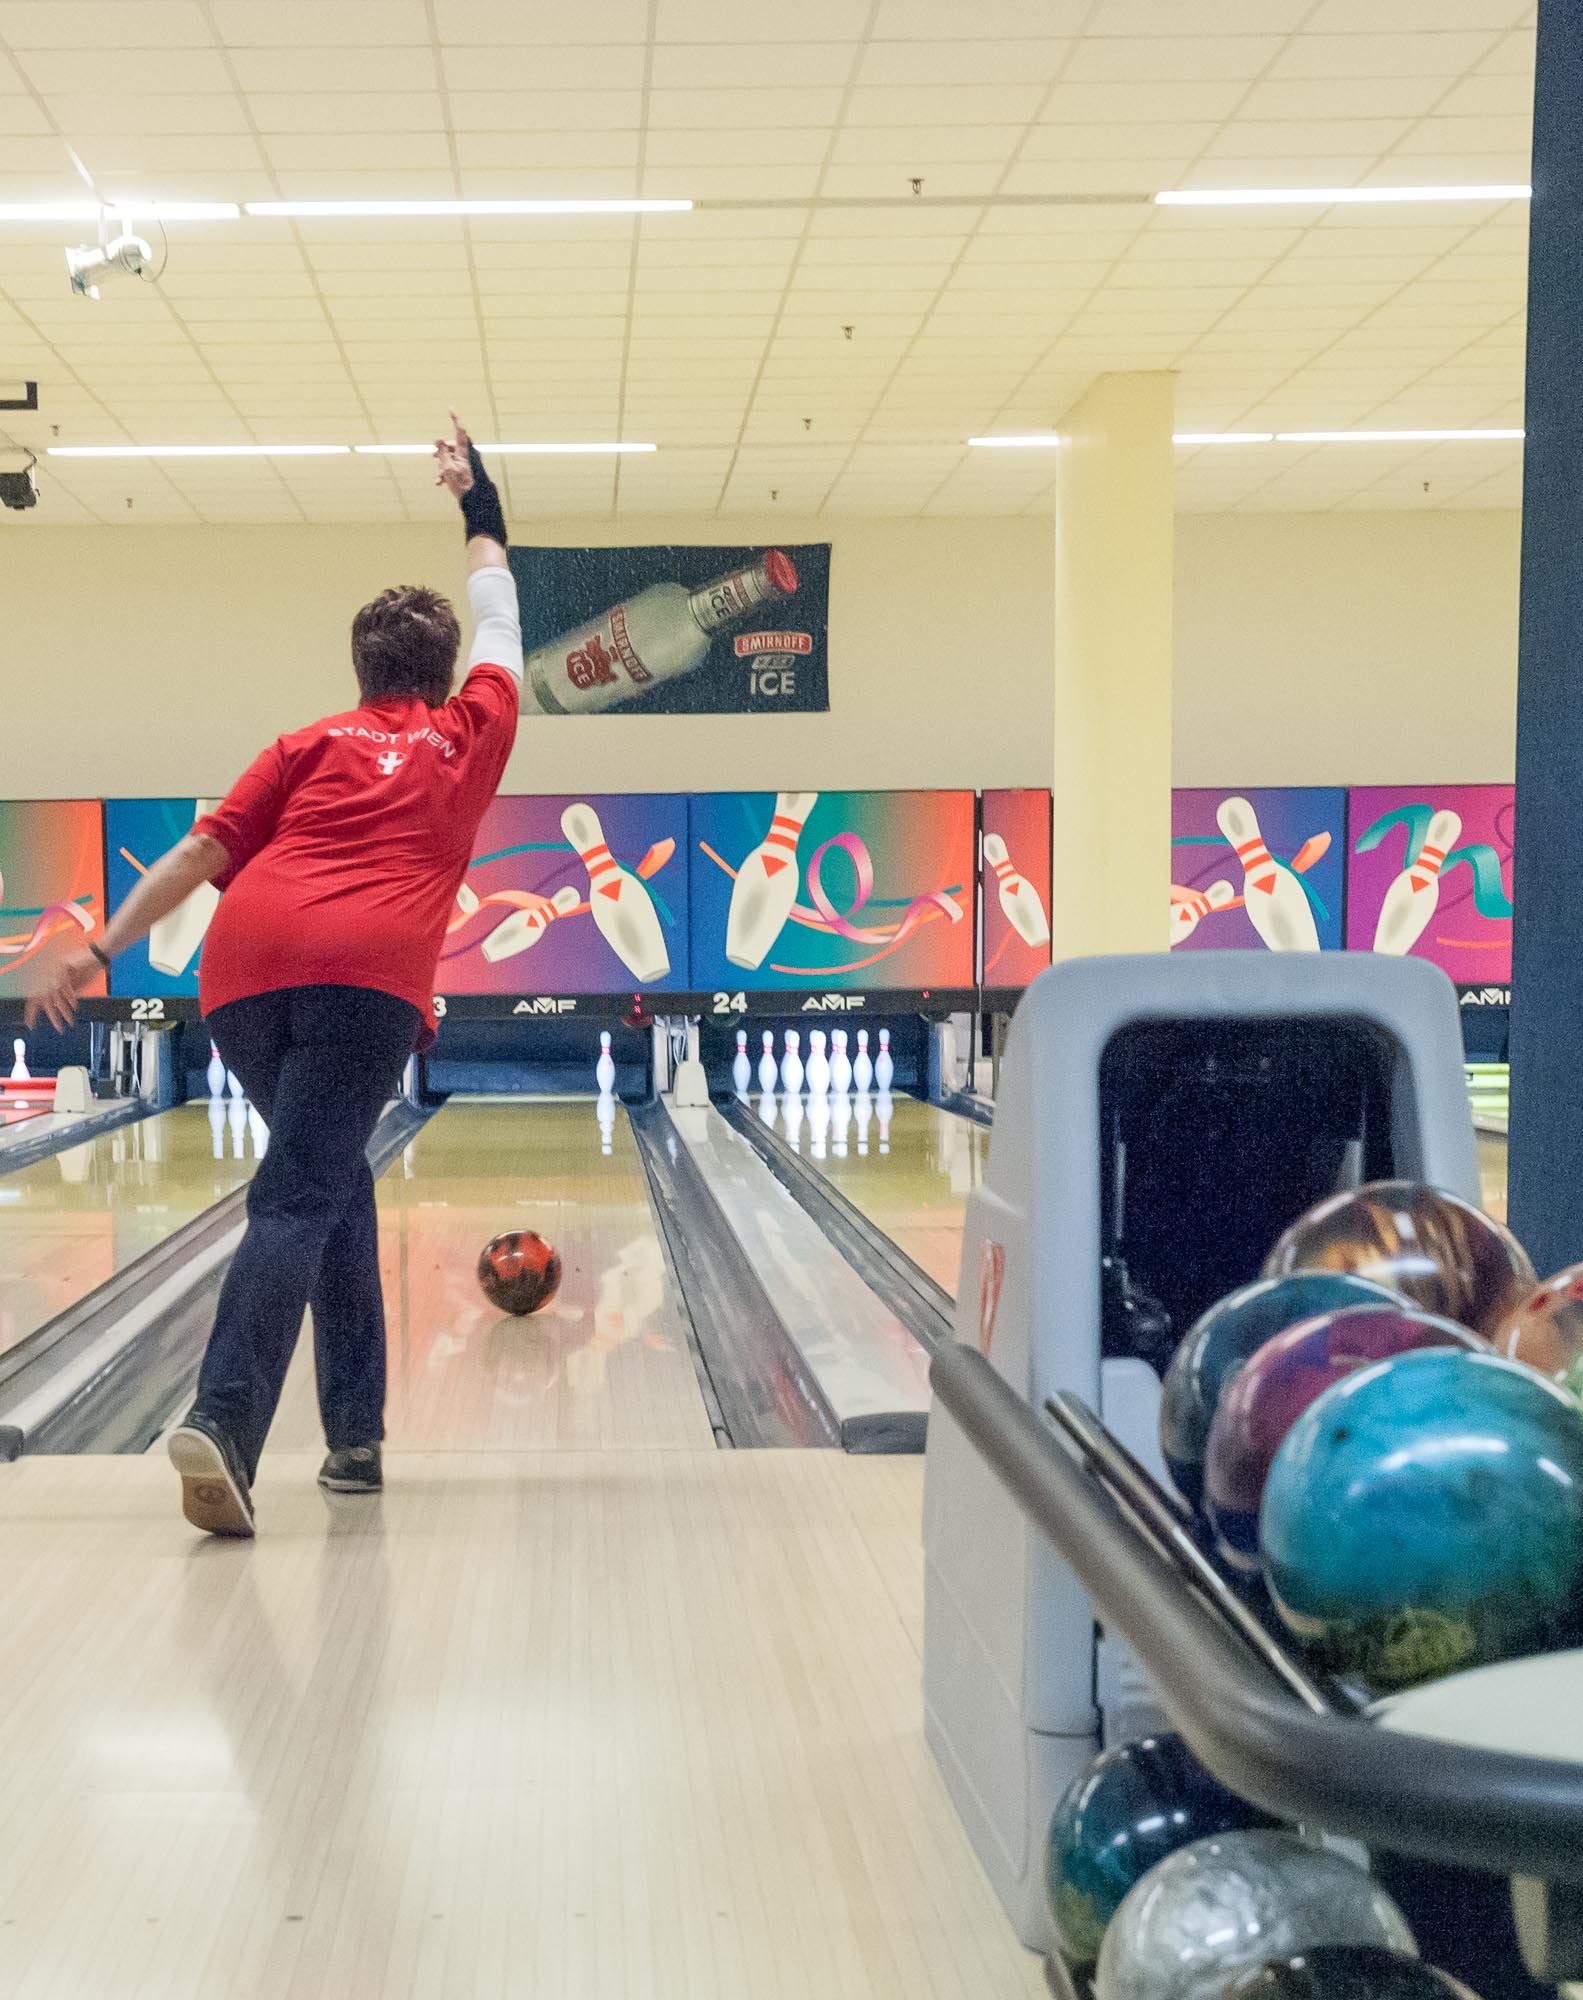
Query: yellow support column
<point x="1113" y="632"/>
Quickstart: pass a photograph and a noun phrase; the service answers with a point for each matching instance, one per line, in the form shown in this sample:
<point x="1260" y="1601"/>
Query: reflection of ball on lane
<point x="519" y="1271"/>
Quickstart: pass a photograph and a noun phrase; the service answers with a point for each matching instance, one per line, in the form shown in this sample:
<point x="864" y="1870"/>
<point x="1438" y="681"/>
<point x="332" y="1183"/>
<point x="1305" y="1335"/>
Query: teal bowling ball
<point x="1425" y="1515"/>
<point x="1132" y="1807"/>
<point x="1221" y="1339"/>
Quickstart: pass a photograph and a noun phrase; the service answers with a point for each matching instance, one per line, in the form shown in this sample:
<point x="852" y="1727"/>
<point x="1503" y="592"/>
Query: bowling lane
<point x="1492" y="1173"/>
<point x="70" y="1222"/>
<point x="606" y="1365"/>
<point x="909" y="1169"/>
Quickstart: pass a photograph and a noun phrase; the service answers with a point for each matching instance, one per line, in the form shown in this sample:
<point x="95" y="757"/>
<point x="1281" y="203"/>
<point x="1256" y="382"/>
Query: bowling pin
<point x="818" y="1065"/>
<point x="819" y="1126"/>
<point x="884" y="1068"/>
<point x="840" y="1064"/>
<point x="794" y="1116"/>
<point x="1412" y="898"/>
<point x="466" y="900"/>
<point x="525" y="927"/>
<point x="177" y="935"/>
<point x="1188" y="915"/>
<point x="863" y="1066"/>
<point x="863" y="1109"/>
<point x="1019" y="899"/>
<point x="605" y="1068"/>
<point x="20" y="1073"/>
<point x="1276" y="902"/>
<point x="741" y="1068"/>
<point x="767" y="1069"/>
<point x="766" y="884"/>
<point x="233" y="1083"/>
<point x="236" y="1112"/>
<point x="215" y="1073"/>
<point x="622" y="908"/>
<point x="791" y="1065"/>
<point x="605" y="1112"/>
<point x="217" y="1126"/>
<point x="883" y="1103"/>
<point x="257" y="1131"/>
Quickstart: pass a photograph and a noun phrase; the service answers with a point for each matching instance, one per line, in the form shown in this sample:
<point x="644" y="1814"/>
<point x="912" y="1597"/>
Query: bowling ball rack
<point x="1292" y="1742"/>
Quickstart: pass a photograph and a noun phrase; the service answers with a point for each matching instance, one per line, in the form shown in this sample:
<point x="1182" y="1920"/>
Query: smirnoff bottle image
<point x="664" y="631"/>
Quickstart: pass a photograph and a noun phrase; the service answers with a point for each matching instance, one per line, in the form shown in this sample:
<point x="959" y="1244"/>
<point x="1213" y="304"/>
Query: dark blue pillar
<point x="1547" y="869"/>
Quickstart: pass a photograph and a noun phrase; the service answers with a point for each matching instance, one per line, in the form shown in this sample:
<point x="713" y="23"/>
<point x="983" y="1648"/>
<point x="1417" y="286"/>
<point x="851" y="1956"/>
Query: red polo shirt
<point x="348" y="841"/>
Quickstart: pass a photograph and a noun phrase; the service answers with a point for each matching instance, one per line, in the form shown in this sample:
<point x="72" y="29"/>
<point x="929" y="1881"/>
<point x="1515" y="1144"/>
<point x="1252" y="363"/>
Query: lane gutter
<point x="106" y="1374"/>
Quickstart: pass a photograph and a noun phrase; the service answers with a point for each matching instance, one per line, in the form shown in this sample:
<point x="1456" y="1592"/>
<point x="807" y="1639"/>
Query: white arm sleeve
<point x="497" y="630"/>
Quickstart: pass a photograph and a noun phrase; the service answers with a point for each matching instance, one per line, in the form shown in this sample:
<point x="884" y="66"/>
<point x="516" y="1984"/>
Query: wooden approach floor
<point x="575" y="1725"/>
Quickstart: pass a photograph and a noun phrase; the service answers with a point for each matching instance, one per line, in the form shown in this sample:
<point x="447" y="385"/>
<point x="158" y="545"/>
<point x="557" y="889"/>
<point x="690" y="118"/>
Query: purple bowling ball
<point x="1272" y="1390"/>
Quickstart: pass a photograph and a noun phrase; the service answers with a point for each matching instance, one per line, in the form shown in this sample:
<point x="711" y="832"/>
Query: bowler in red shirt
<point x="338" y="852"/>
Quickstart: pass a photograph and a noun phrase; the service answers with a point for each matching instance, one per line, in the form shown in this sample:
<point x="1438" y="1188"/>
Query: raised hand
<point x="453" y="457"/>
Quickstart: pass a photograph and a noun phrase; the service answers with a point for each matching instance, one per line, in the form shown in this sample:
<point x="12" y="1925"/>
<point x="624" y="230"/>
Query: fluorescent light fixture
<point x="636" y="205"/>
<point x="1395" y="437"/>
<point x="1223" y="437"/>
<point x="91" y="211"/>
<point x="198" y="450"/>
<point x="1323" y="197"/>
<point x="1033" y="441"/>
<point x="500" y="450"/>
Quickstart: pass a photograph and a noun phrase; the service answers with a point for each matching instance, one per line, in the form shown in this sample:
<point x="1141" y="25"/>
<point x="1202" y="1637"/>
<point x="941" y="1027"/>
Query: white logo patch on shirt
<point x="390" y="763"/>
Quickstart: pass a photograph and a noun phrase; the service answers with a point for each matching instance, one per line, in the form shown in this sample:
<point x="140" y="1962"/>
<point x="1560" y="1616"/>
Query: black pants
<point x="319" y="1062"/>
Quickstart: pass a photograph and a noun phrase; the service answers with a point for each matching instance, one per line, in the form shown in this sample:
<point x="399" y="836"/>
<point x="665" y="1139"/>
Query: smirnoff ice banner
<point x="674" y="631"/>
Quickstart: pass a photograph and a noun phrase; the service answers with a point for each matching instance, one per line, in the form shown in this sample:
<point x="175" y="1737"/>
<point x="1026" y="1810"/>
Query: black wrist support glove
<point x="481" y="509"/>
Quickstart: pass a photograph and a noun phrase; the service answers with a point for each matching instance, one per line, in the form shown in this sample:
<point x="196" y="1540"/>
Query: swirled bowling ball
<point x="1346" y="1972"/>
<point x="1132" y="1807"/>
<point x="1546" y="1331"/>
<point x="1442" y="1253"/>
<point x="1228" y="1904"/>
<point x="1272" y="1389"/>
<point x="519" y="1271"/>
<point x="1221" y="1339"/>
<point x="1426" y="1515"/>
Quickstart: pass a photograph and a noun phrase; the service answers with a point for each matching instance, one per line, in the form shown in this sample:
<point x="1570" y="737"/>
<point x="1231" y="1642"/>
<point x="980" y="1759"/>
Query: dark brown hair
<point x="404" y="645"/>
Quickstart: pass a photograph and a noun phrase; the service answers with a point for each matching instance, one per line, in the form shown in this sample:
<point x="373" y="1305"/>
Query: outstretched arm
<point x="491" y="588"/>
<point x="463" y="474"/>
<point x="195" y="859"/>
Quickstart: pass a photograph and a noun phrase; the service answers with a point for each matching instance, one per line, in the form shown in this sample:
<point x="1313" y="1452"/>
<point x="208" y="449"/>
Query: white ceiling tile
<point x="767" y="21"/>
<point x="352" y="111"/>
<point x="574" y="69"/>
<point x="349" y="150"/>
<point x="395" y="66"/>
<point x="1209" y="17"/>
<point x="958" y="63"/>
<point x="947" y="20"/>
<point x="128" y="24"/>
<point x="248" y="24"/>
<point x="768" y="105"/>
<point x="83" y="116"/>
<point x="1361" y="17"/>
<point x="775" y="145"/>
<point x="1169" y="58"/>
<point x="488" y="22"/>
<point x="741" y="65"/>
<point x="112" y="71"/>
<point x="1179" y="102"/>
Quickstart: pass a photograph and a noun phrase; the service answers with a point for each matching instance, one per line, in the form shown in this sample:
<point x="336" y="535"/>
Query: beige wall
<point x="158" y="660"/>
<point x="1345" y="648"/>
